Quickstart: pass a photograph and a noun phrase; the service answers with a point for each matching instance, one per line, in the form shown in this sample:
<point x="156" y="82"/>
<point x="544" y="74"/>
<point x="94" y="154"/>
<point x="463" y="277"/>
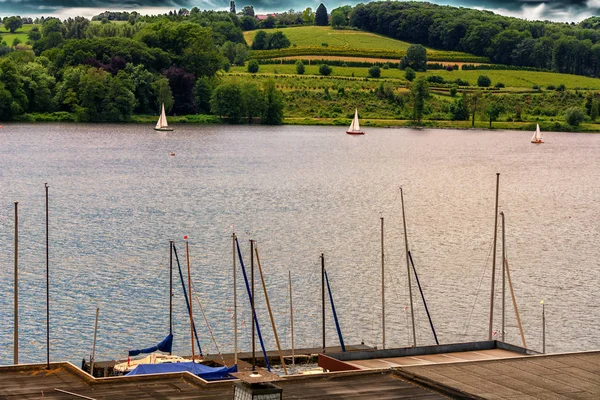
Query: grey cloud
<point x="559" y="10"/>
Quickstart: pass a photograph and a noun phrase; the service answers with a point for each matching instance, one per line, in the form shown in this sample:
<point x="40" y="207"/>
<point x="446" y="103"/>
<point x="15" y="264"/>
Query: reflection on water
<point x="117" y="197"/>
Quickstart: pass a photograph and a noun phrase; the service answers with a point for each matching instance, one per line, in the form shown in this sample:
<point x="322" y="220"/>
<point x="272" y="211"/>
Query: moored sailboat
<point x="161" y="124"/>
<point x="355" y="126"/>
<point x="537" y="135"/>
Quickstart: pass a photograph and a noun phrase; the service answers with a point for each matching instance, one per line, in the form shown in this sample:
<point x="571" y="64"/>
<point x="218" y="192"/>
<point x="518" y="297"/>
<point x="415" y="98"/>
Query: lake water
<point x="117" y="197"/>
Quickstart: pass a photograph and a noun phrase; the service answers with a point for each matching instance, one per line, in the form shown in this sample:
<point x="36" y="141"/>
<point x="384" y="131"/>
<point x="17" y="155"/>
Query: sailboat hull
<point x="537" y="141"/>
<point x="163" y="129"/>
<point x="355" y="133"/>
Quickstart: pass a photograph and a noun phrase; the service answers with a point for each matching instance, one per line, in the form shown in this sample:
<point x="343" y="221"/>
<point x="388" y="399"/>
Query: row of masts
<point x="254" y="253"/>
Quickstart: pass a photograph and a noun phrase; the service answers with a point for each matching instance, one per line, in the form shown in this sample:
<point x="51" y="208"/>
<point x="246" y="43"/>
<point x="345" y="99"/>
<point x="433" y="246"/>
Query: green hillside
<point x="306" y="36"/>
<point x="324" y="40"/>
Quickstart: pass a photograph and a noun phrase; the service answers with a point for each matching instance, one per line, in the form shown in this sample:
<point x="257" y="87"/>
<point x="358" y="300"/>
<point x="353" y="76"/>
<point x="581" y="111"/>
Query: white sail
<point x="162" y="120"/>
<point x="354" y="126"/>
<point x="537" y="135"/>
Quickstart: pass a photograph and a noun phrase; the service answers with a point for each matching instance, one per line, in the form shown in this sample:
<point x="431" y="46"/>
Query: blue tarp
<point x="164" y="346"/>
<point x="203" y="371"/>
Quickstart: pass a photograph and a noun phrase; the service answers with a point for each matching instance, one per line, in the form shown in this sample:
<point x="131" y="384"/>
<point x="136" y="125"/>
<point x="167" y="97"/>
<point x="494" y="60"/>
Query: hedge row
<point x="471" y="67"/>
<point x="377" y="53"/>
<point x="342" y="63"/>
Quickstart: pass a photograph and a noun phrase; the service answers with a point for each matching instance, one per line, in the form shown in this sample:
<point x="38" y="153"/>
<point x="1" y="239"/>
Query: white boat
<point x="537" y="135"/>
<point x="162" y="124"/>
<point x="355" y="126"/>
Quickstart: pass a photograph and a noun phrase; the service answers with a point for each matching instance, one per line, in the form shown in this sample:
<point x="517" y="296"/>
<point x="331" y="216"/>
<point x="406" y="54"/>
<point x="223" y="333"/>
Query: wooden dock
<point x="560" y="376"/>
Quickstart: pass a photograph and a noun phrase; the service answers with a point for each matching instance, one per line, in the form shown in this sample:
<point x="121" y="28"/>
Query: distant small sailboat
<point x="162" y="124"/>
<point x="537" y="135"/>
<point x="355" y="126"/>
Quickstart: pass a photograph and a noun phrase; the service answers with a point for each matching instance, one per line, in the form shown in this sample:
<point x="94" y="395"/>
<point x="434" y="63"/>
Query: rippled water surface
<point x="117" y="197"/>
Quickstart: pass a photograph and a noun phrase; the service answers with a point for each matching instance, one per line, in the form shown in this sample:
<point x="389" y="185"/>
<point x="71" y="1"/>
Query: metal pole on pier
<point x="16" y="287"/>
<point x="235" y="333"/>
<point x="252" y="305"/>
<point x="543" y="328"/>
<point x="292" y="321"/>
<point x="47" y="286"/>
<point x="494" y="259"/>
<point x="382" y="287"/>
<point x="170" y="287"/>
<point x="94" y="346"/>
<point x="187" y="256"/>
<point x="503" y="274"/>
<point x="323" y="296"/>
<point x="412" y="309"/>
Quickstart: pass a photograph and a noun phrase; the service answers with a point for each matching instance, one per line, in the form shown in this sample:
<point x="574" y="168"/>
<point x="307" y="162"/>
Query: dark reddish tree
<point x="182" y="87"/>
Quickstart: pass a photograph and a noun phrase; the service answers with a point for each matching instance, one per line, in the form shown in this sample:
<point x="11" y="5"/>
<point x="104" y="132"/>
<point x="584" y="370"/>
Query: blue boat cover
<point x="164" y="346"/>
<point x="203" y="371"/>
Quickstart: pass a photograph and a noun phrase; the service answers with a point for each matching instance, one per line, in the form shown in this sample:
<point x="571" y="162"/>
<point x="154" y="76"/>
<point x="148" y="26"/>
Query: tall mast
<point x="292" y="321"/>
<point x="252" y="304"/>
<point x="264" y="286"/>
<point x="503" y="275"/>
<point x="235" y="333"/>
<point x="47" y="286"/>
<point x="323" y="297"/>
<point x="494" y="259"/>
<point x="187" y="255"/>
<point x="382" y="287"/>
<point x="412" y="310"/>
<point x="170" y="287"/>
<point x="16" y="288"/>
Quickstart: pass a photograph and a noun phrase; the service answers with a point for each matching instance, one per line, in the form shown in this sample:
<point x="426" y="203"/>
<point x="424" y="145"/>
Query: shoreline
<point x="207" y="119"/>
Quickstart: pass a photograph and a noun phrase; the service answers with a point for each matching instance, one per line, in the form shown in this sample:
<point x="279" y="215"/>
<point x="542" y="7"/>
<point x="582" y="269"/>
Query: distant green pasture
<point x="316" y="35"/>
<point x="513" y="79"/>
<point x="6" y="36"/>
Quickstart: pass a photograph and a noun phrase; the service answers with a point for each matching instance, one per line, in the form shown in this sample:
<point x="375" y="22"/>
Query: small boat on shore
<point x="355" y="126"/>
<point x="537" y="135"/>
<point x="162" y="124"/>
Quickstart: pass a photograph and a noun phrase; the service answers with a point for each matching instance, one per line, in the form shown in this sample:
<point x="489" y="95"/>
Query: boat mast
<point x="16" y="288"/>
<point x="187" y="255"/>
<point x="494" y="259"/>
<point x="323" y="296"/>
<point x="252" y="304"/>
<point x="170" y="288"/>
<point x="264" y="286"/>
<point x="235" y="333"/>
<point x="292" y="321"/>
<point x="93" y="358"/>
<point x="514" y="299"/>
<point x="412" y="310"/>
<point x="382" y="287"/>
<point x="503" y="276"/>
<point x="47" y="286"/>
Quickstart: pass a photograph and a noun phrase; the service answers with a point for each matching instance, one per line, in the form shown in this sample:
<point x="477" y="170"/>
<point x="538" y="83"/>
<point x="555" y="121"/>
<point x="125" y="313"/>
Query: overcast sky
<point x="556" y="10"/>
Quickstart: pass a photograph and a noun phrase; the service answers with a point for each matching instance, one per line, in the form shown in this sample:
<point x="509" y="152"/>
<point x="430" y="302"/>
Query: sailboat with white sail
<point x="355" y="126"/>
<point x="537" y="135"/>
<point x="162" y="124"/>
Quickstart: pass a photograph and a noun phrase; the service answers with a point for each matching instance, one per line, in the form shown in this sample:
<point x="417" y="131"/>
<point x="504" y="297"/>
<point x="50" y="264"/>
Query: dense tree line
<point x="559" y="47"/>
<point x="109" y="71"/>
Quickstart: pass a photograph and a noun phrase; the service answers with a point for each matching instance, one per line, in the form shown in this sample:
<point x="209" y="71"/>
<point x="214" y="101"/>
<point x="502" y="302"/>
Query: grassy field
<point x="304" y="36"/>
<point x="511" y="79"/>
<point x="323" y="39"/>
<point x="6" y="36"/>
